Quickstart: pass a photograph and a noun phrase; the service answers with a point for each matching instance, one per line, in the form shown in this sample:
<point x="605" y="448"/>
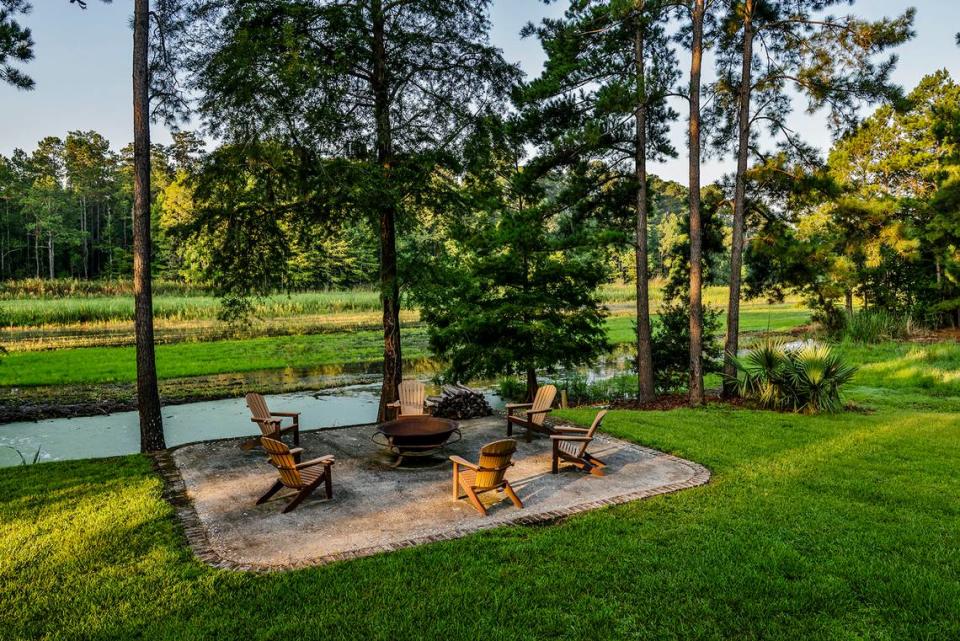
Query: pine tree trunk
<point x="645" y="389"/>
<point x="848" y="301"/>
<point x="389" y="285"/>
<point x="696" y="227"/>
<point x="732" y="343"/>
<point x="50" y="255"/>
<point x="532" y="384"/>
<point x="148" y="396"/>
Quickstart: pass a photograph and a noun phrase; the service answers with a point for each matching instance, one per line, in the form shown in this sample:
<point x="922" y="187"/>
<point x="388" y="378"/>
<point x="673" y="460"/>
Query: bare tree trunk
<point x="732" y="343"/>
<point x="848" y="296"/>
<point x="645" y="389"/>
<point x="36" y="248"/>
<point x="389" y="284"/>
<point x="148" y="396"/>
<point x="50" y="255"/>
<point x="83" y="232"/>
<point x="696" y="227"/>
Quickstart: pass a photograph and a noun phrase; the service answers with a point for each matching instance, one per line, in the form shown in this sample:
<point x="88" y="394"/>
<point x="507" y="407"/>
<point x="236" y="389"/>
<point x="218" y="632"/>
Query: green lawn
<point x="829" y="527"/>
<point x="117" y="365"/>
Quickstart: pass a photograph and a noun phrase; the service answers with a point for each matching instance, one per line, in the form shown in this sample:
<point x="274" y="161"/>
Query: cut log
<point x="459" y="402"/>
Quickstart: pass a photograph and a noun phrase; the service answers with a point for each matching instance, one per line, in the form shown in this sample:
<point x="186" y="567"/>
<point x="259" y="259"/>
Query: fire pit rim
<point x="416" y="444"/>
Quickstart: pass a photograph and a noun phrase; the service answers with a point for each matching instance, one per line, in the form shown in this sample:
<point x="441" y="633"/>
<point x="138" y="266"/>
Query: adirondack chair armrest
<point x="457" y="460"/>
<point x="573" y="430"/>
<point x="517" y="406"/>
<point x="394" y="404"/>
<point x="543" y="411"/>
<point x="296" y="450"/>
<point x="323" y="460"/>
<point x="260" y="419"/>
<point x="567" y="437"/>
<point x="286" y="414"/>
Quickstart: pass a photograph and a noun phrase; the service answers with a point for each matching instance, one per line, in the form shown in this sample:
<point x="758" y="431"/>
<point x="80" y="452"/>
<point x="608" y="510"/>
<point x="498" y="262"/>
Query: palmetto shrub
<point x="803" y="379"/>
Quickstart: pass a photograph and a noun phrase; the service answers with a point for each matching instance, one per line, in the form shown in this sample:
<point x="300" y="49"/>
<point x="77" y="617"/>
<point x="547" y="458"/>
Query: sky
<point x="83" y="61"/>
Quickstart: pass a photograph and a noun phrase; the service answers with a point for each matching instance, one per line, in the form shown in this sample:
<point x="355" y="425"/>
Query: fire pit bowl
<point x="415" y="435"/>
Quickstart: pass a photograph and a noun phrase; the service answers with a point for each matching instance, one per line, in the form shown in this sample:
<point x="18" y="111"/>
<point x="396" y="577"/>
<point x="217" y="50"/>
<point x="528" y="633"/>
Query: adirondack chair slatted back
<point x="494" y="461"/>
<point x="542" y="401"/>
<point x="578" y="448"/>
<point x="412" y="396"/>
<point x="283" y="460"/>
<point x="258" y="409"/>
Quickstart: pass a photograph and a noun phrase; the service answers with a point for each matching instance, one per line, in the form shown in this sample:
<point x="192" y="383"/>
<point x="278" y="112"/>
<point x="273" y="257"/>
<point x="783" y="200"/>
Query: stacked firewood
<point x="459" y="402"/>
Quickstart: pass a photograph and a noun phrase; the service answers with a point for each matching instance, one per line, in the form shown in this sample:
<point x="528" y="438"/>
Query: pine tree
<point x="391" y="86"/>
<point x="603" y="95"/>
<point x="513" y="287"/>
<point x="828" y="60"/>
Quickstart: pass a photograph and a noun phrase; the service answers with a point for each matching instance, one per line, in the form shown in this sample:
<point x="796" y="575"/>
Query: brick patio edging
<point x="175" y="492"/>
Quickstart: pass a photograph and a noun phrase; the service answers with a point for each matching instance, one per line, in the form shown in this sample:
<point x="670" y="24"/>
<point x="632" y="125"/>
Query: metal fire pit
<point x="412" y="436"/>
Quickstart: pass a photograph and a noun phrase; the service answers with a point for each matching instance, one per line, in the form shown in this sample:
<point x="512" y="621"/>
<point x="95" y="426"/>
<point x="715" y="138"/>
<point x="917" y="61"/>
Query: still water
<point x="118" y="434"/>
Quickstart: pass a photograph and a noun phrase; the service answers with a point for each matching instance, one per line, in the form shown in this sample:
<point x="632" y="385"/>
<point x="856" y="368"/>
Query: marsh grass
<point x="33" y="312"/>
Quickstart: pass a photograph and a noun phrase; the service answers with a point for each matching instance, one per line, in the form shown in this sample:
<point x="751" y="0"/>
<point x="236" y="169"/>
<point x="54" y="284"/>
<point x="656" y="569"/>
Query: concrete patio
<point x="377" y="508"/>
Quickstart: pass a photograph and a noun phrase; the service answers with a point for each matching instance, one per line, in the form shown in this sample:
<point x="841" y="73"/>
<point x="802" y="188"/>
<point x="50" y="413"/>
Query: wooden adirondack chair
<point x="270" y="422"/>
<point x="303" y="477"/>
<point x="413" y="399"/>
<point x="570" y="444"/>
<point x="533" y="413"/>
<point x="486" y="475"/>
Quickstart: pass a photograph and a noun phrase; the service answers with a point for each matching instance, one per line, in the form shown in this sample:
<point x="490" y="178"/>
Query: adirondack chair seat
<point x="570" y="445"/>
<point x="303" y="477"/>
<point x="532" y="415"/>
<point x="472" y="479"/>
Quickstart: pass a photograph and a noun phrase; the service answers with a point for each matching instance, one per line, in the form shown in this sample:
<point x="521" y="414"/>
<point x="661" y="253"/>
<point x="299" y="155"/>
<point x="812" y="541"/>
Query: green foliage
<point x="513" y="287"/>
<point x="16" y="44"/>
<point x="512" y="389"/>
<point x="582" y="391"/>
<point x="804" y="379"/>
<point x="875" y="326"/>
<point x="671" y="343"/>
<point x="878" y="223"/>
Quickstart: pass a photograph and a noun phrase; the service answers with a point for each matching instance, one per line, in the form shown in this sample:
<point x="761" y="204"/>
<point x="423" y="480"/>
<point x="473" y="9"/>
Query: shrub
<point x="512" y="389"/>
<point x="875" y="326"/>
<point x="671" y="344"/>
<point x="581" y="391"/>
<point x="805" y="379"/>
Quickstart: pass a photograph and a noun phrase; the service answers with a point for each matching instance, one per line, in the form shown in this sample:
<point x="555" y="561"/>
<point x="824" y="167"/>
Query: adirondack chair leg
<point x="328" y="480"/>
<point x="594" y="460"/>
<point x="475" y="500"/>
<point x="302" y="494"/>
<point x="508" y="490"/>
<point x="296" y="431"/>
<point x="456" y="482"/>
<point x="555" y="466"/>
<point x="276" y="487"/>
<point x="509" y="426"/>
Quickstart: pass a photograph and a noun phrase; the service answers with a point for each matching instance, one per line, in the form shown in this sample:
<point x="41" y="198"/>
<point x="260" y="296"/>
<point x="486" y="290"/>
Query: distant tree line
<point x="66" y="212"/>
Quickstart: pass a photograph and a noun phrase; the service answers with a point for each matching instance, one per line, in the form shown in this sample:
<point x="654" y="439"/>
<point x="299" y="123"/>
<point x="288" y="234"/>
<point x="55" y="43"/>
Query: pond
<point x="119" y="434"/>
